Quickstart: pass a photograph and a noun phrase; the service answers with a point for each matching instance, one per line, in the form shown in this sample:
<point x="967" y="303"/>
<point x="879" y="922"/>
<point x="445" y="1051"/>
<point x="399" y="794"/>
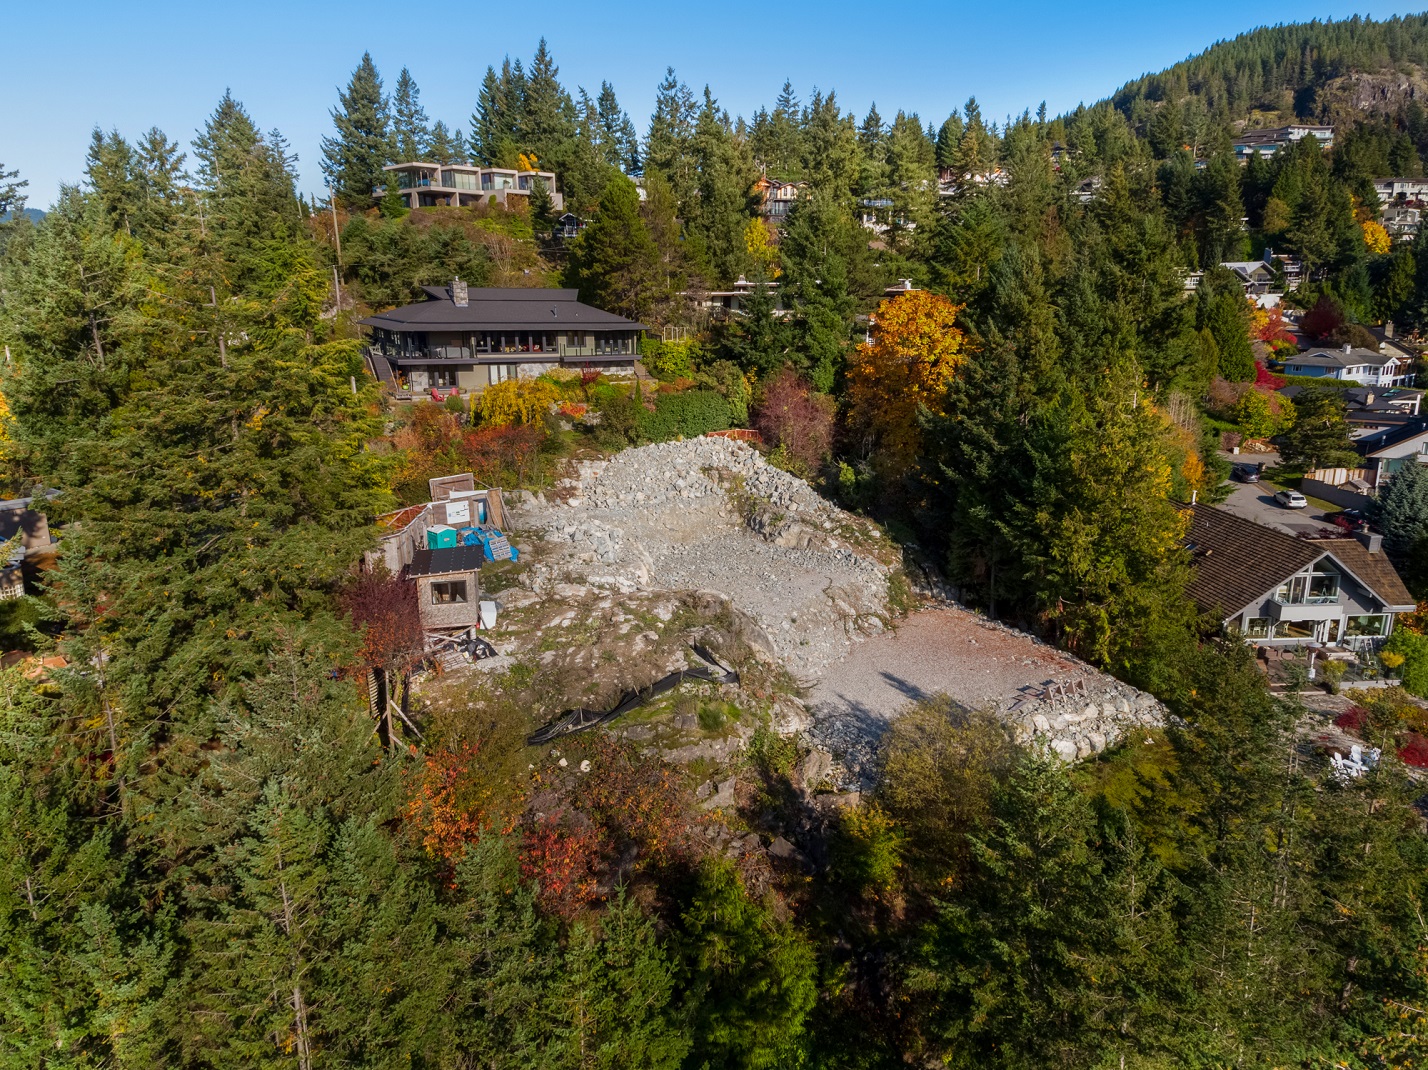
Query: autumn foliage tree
<point x="912" y="354"/>
<point x="792" y="416"/>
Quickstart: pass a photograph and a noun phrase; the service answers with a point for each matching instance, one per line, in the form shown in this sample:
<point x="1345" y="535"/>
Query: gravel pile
<point x="711" y="514"/>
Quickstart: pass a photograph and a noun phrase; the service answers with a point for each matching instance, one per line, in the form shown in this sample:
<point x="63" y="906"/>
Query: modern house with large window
<point x="429" y="185"/>
<point x="1277" y="590"/>
<point x="465" y="339"/>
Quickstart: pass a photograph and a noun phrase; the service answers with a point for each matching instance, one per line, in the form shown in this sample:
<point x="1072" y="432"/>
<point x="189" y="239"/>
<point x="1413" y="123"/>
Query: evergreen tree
<point x="613" y="261"/>
<point x="1401" y="510"/>
<point x="830" y="148"/>
<point x="109" y="169"/>
<point x="548" y="114"/>
<point x="445" y="147"/>
<point x="499" y="118"/>
<point x="819" y="247"/>
<point x="668" y="145"/>
<point x="720" y="211"/>
<point x="949" y="136"/>
<point x="410" y="135"/>
<point x="353" y="160"/>
<point x="750" y="976"/>
<point x="1319" y="434"/>
<point x="619" y="144"/>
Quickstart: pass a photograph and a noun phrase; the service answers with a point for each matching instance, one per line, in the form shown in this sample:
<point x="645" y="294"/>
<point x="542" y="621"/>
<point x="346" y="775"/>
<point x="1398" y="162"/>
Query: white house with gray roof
<point x="1367" y="367"/>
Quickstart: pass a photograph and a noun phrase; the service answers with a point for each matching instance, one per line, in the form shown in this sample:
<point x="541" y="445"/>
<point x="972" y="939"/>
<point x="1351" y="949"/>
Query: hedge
<point x="685" y="415"/>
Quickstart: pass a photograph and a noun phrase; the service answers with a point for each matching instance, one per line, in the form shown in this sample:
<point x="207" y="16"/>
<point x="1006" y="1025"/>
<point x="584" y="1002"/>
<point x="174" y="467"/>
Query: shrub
<point x="1352" y="719"/>
<point x="1262" y="414"/>
<point x="791" y="416"/>
<point x="866" y="850"/>
<point x="685" y="415"/>
<point x="516" y="401"/>
<point x="1414" y="650"/>
<point x="668" y="361"/>
<point x="1413" y="750"/>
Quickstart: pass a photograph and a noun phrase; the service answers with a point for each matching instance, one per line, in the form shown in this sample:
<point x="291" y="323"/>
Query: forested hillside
<point x="1316" y="71"/>
<point x="213" y="855"/>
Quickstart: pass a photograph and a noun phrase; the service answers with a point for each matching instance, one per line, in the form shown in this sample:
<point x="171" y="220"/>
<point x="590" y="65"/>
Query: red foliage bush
<point x="1323" y="319"/>
<point x="441" y="809"/>
<point x="385" y="608"/>
<point x="493" y="454"/>
<point x="1264" y="379"/>
<point x="1352" y="719"/>
<point x="790" y="414"/>
<point x="1413" y="750"/>
<point x="562" y="852"/>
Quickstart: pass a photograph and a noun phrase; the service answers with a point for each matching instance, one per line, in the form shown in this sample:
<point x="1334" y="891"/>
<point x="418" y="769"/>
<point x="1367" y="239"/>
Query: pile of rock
<point x="710" y="514"/>
<point x="1076" y="727"/>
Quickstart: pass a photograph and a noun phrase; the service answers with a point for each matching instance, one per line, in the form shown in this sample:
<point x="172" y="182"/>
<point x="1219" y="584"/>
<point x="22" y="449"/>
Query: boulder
<point x="1065" y="749"/>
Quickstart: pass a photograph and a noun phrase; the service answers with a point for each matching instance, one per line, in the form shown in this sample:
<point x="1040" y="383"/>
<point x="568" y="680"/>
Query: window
<point x="441" y="377"/>
<point x="501" y="372"/>
<point x="451" y="592"/>
<point x="461" y="180"/>
<point x="1323" y="584"/>
<point x="1370" y="625"/>
<point x="1258" y="628"/>
<point x="1294" y="629"/>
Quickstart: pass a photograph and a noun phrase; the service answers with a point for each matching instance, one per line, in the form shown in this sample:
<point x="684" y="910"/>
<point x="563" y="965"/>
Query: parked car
<point x="1245" y="473"/>
<point x="1350" y="520"/>
<point x="1291" y="499"/>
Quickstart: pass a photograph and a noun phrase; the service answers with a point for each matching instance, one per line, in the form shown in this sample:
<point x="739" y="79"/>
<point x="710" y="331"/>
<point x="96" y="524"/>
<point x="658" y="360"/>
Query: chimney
<point x="1388" y="329"/>
<point x="1348" y="349"/>
<point x="459" y="294"/>
<point x="1372" y="541"/>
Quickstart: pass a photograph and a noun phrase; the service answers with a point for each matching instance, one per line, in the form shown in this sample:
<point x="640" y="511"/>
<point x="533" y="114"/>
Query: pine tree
<point x="949" y="136"/>
<point x="548" y="116"/>
<point x="722" y="207"/>
<point x="617" y="139"/>
<point x="613" y="261"/>
<point x="1401" y="510"/>
<point x="410" y="136"/>
<point x="353" y="160"/>
<point x="750" y="976"/>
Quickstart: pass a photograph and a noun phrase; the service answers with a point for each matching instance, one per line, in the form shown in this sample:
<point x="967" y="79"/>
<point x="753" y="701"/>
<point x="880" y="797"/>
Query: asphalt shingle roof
<point x="1237" y="562"/>
<point x="501" y="309"/>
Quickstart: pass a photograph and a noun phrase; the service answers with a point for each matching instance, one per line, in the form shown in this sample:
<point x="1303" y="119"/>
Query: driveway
<point x="1255" y="501"/>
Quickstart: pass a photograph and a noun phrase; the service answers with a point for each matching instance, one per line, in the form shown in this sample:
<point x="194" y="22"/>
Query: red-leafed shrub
<point x="1413" y="750"/>
<point x="1265" y="379"/>
<point x="1352" y="719"/>
<point x="385" y="608"/>
<point x="562" y="852"/>
<point x="445" y="808"/>
<point x="791" y="415"/>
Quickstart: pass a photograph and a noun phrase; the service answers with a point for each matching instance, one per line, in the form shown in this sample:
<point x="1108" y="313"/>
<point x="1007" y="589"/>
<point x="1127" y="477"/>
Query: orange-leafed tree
<point x="1375" y="237"/>
<point x="912" y="354"/>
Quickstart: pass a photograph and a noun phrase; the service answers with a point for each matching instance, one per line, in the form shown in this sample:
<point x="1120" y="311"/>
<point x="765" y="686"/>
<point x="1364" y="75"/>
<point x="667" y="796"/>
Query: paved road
<point x="1255" y="501"/>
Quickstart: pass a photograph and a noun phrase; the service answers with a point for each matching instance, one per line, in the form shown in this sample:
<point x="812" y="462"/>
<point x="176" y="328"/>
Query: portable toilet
<point x="440" y="537"/>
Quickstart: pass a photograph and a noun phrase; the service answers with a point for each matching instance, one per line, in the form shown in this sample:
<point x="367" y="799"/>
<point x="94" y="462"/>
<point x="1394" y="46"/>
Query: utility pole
<point x="337" y="239"/>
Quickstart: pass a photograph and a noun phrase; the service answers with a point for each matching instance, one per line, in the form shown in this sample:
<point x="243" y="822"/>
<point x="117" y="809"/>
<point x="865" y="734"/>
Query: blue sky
<point x="130" y="66"/>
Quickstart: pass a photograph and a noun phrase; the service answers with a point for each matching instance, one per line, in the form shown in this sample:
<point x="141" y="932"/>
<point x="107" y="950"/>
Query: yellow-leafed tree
<point x="913" y="352"/>
<point x="1375" y="237"/>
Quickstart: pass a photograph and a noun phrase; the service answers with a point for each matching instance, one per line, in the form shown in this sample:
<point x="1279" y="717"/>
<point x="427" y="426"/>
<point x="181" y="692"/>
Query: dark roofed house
<point x="465" y="339"/>
<point x="1386" y="451"/>
<point x="1277" y="590"/>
